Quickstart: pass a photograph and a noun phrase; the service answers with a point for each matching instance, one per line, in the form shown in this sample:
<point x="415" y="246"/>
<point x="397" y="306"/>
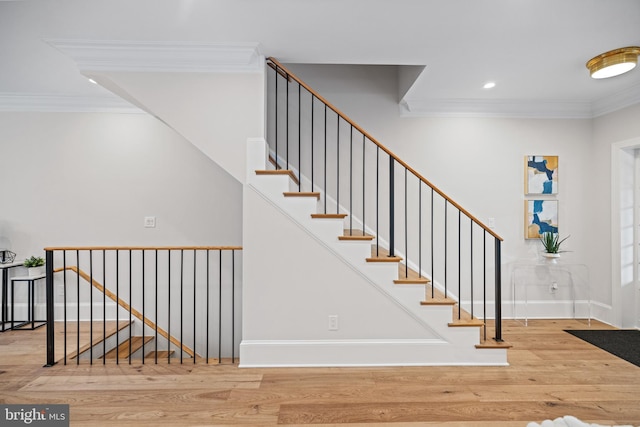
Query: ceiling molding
<point x="496" y="108"/>
<point x="54" y="103"/>
<point x="137" y="56"/>
<point x="616" y="101"/>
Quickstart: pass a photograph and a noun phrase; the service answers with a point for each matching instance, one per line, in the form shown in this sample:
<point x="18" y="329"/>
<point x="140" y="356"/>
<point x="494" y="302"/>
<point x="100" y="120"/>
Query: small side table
<point x="31" y="304"/>
<point x="5" y="294"/>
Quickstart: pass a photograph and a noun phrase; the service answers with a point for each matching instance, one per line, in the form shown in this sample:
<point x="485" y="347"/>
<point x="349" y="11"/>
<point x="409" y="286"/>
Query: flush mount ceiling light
<point x="614" y="62"/>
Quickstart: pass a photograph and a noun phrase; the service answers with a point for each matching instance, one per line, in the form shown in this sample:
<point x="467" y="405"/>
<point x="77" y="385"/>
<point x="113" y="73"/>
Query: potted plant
<point x="551" y="243"/>
<point x="34" y="265"/>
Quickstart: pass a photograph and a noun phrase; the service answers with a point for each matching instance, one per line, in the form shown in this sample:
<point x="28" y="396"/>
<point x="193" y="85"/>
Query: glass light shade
<point x="613" y="63"/>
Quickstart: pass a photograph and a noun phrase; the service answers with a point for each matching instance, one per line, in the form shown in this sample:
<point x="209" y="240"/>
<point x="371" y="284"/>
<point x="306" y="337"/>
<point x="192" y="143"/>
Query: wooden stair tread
<point x="493" y="344"/>
<point x="315" y="194"/>
<point x="275" y="165"/>
<point x="99" y="336"/>
<point x="287" y="172"/>
<point x="438" y="301"/>
<point x="353" y="234"/>
<point x="466" y="322"/>
<point x="122" y="351"/>
<point x="329" y="215"/>
<point x="382" y="255"/>
<point x="162" y="354"/>
<point x="410" y="277"/>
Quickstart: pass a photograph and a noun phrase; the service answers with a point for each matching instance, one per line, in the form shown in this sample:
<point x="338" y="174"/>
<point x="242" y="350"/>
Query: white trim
<point x="167" y="56"/>
<point x="616" y="293"/>
<point x="498" y="108"/>
<point x="335" y="353"/>
<point x="616" y="101"/>
<point x="54" y="103"/>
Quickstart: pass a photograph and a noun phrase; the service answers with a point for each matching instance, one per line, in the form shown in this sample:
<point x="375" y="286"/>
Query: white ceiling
<point x="535" y="50"/>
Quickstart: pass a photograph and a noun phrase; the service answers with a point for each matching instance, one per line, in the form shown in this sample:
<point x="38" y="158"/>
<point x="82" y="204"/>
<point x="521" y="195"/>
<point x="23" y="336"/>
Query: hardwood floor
<point x="551" y="374"/>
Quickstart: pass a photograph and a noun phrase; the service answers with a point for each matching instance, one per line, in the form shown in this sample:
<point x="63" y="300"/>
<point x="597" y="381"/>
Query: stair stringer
<point x="448" y="346"/>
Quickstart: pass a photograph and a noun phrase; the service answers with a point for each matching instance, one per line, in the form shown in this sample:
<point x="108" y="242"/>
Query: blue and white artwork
<point x="541" y="217"/>
<point x="541" y="175"/>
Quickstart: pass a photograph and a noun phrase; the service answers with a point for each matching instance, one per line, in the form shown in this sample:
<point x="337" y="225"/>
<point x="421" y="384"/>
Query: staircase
<point x="414" y="255"/>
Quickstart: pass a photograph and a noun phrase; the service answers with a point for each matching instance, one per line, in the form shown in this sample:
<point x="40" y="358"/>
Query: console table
<point x="552" y="279"/>
<point x="5" y="293"/>
<point x="31" y="303"/>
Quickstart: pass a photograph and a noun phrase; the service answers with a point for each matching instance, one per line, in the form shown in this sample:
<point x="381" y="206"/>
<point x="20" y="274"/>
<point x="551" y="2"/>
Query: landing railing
<point x="383" y="196"/>
<point x="181" y="303"/>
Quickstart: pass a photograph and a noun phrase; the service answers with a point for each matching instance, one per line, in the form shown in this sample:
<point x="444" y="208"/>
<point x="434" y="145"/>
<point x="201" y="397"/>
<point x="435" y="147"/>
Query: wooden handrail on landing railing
<point x="290" y="75"/>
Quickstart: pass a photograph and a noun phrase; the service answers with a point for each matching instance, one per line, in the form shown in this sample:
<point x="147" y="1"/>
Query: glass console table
<point x="547" y="282"/>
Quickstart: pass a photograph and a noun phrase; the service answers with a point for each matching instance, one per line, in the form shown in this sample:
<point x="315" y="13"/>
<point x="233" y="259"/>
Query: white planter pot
<point x="36" y="271"/>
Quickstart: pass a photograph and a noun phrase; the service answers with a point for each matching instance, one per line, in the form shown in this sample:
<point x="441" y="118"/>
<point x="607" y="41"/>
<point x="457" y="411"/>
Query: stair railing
<point x="186" y="299"/>
<point x="382" y="195"/>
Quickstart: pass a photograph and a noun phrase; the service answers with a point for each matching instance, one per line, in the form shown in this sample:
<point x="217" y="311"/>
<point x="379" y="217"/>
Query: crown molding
<point x="496" y="108"/>
<point x="616" y="101"/>
<point x="54" y="103"/>
<point x="136" y="56"/>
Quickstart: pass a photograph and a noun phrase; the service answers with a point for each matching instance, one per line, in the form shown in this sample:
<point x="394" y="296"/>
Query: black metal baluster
<point x="459" y="267"/>
<point x="181" y="302"/>
<point x="484" y="281"/>
<point x="142" y="252"/>
<point x="155" y="340"/>
<point x="325" y="158"/>
<point x="391" y="207"/>
<point x="498" y="291"/>
<point x="433" y="279"/>
<point x="169" y="304"/>
<point x="130" y="303"/>
<point x="277" y="165"/>
<point x="207" y="326"/>
<point x="118" y="306"/>
<point x="419" y="228"/>
<point x="351" y="183"/>
<point x="64" y="297"/>
<point x="364" y="179"/>
<point x="377" y="201"/>
<point x="90" y="306"/>
<point x="286" y="122"/>
<point x="446" y="241"/>
<point x="220" y="307"/>
<point x="338" y="163"/>
<point x="406" y="235"/>
<point x="104" y="305"/>
<point x="194" y="307"/>
<point x="313" y="97"/>
<point x="471" y="267"/>
<point x="50" y="310"/>
<point x="78" y="307"/>
<point x="299" y="140"/>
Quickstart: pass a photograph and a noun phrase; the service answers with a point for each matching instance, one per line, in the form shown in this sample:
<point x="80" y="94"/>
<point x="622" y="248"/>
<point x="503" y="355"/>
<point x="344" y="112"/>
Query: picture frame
<point x="540" y="216"/>
<point x="541" y="175"/>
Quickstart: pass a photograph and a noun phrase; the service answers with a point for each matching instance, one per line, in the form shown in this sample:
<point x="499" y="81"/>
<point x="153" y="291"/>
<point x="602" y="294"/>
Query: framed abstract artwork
<point x="540" y="216"/>
<point x="541" y="175"/>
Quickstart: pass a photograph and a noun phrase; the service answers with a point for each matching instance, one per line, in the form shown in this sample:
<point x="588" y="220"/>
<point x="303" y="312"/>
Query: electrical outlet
<point x="333" y="322"/>
<point x="491" y="223"/>
<point x="150" y="222"/>
<point x="553" y="288"/>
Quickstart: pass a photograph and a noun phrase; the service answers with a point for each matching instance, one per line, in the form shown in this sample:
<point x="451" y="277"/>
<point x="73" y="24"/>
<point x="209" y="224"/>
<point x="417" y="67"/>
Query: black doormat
<point x="622" y="343"/>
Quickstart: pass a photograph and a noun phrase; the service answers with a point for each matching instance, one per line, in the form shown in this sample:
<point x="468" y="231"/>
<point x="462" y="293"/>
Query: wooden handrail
<point x="143" y="248"/>
<point x="383" y="148"/>
<point x="126" y="306"/>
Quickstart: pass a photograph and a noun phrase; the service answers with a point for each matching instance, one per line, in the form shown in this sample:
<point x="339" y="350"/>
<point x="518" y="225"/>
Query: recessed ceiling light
<point x="93" y="81"/>
<point x="489" y="85"/>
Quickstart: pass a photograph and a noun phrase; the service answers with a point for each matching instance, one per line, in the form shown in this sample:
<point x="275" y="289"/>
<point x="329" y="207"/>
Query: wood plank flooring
<point x="551" y="374"/>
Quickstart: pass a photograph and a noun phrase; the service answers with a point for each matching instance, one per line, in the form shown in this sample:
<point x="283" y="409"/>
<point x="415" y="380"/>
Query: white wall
<point x="476" y="161"/>
<point x="216" y="112"/>
<point x="91" y="178"/>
